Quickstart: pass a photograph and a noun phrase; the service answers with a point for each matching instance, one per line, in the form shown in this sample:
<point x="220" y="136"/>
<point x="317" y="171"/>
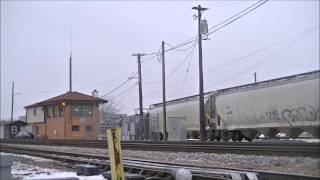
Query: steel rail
<point x="147" y="167"/>
<point x="282" y="148"/>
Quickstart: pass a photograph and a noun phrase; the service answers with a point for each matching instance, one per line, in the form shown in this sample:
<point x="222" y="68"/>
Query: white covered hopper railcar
<point x="289" y="105"/>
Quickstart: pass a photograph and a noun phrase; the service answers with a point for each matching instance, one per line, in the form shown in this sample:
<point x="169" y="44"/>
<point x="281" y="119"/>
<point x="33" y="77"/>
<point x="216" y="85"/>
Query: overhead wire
<point x="224" y="25"/>
<point x="193" y="39"/>
<point x="226" y="5"/>
<point x="177" y="49"/>
<point x="259" y="50"/>
<point x="254" y="6"/>
<point x="177" y="67"/>
<point x="246" y="56"/>
<point x="118" y="87"/>
<point x="270" y="57"/>
<point x="123" y="97"/>
<point x="121" y="93"/>
<point x="108" y="81"/>
<point x="264" y="48"/>
<point x="249" y="9"/>
<point x="185" y="76"/>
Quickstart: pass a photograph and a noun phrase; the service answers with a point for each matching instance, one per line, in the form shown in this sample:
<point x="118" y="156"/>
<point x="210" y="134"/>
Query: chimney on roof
<point x="95" y="93"/>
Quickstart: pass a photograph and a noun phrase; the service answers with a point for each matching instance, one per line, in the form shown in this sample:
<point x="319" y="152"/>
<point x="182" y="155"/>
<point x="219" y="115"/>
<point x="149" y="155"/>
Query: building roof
<point x="18" y="123"/>
<point x="69" y="97"/>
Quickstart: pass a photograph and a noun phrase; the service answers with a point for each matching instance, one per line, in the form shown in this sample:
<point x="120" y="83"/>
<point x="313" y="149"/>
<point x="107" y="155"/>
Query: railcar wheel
<point x="248" y="139"/>
<point x="236" y="136"/>
<point x="218" y="138"/>
<point x="225" y="136"/>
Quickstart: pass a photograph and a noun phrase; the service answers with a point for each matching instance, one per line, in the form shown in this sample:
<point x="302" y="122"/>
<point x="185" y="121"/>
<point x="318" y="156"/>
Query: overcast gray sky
<point x="35" y="47"/>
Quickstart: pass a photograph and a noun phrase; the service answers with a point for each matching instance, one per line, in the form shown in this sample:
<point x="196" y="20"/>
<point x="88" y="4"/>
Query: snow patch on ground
<point x="64" y="175"/>
<point x="34" y="158"/>
<point x="30" y="167"/>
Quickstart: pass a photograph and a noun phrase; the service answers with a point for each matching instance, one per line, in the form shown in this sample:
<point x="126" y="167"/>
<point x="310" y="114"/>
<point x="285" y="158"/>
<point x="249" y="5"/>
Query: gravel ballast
<point x="293" y="165"/>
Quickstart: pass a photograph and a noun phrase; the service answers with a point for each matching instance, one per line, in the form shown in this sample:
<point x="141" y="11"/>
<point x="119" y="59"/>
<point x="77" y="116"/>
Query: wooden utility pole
<point x="201" y="98"/>
<point x="140" y="93"/>
<point x="165" y="135"/>
<point x="12" y="101"/>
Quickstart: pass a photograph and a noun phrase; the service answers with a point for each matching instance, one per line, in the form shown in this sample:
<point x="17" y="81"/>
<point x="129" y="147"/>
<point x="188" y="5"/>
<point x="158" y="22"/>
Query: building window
<point x="89" y="128"/>
<point x="61" y="112"/>
<point x="34" y="111"/>
<point x="53" y="111"/>
<point x="75" y="128"/>
<point x="37" y="129"/>
<point x="14" y="129"/>
<point x="81" y="110"/>
<point x="49" y="112"/>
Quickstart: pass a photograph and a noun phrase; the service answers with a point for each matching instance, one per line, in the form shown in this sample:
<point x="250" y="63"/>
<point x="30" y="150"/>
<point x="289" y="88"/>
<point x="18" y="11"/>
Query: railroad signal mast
<point x="201" y="31"/>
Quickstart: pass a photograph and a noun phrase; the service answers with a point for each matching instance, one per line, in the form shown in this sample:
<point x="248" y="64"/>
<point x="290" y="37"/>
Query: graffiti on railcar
<point x="273" y="115"/>
<point x="307" y="113"/>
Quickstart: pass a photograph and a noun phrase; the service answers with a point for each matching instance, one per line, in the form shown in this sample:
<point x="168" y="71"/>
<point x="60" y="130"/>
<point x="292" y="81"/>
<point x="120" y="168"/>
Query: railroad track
<point x="153" y="169"/>
<point x="286" y="148"/>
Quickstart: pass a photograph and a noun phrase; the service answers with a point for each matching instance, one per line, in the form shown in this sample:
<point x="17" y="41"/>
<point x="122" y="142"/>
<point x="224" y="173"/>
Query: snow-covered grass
<point x="30" y="167"/>
<point x="34" y="158"/>
<point x="63" y="175"/>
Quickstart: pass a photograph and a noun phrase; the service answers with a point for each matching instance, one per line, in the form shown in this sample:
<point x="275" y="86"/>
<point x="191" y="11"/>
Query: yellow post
<point x="115" y="155"/>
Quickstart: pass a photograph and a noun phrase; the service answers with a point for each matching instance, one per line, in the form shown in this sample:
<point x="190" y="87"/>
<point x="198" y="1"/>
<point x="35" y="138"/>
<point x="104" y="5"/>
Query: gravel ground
<point x="293" y="165"/>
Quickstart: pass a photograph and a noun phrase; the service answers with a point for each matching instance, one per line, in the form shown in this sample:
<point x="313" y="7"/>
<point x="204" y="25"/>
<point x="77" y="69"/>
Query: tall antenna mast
<point x="70" y="60"/>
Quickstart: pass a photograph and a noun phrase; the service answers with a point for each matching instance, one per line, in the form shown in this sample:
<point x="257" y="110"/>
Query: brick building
<point x="72" y="115"/>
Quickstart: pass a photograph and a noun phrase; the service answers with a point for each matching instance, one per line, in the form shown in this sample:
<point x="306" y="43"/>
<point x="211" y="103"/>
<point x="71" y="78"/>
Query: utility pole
<point x="12" y="100"/>
<point x="70" y="73"/>
<point x="255" y="77"/>
<point x="140" y="93"/>
<point x="70" y="60"/>
<point x="165" y="135"/>
<point x="201" y="98"/>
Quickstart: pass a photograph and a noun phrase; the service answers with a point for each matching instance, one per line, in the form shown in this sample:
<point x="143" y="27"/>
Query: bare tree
<point x="108" y="116"/>
<point x="110" y="107"/>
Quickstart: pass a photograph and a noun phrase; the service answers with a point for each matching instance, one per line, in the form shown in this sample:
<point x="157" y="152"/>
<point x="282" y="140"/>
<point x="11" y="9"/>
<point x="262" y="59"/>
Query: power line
<point x="226" y="5"/>
<point x="183" y="61"/>
<point x="152" y="57"/>
<point x="177" y="48"/>
<point x="107" y="81"/>
<point x="117" y="87"/>
<point x="120" y="100"/>
<point x="265" y="48"/>
<point x="193" y="39"/>
<point x="259" y="50"/>
<point x="224" y="21"/>
<point x="246" y="56"/>
<point x="177" y="67"/>
<point x="237" y="18"/>
<point x="185" y="76"/>
<point x="270" y="57"/>
<point x="120" y="94"/>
